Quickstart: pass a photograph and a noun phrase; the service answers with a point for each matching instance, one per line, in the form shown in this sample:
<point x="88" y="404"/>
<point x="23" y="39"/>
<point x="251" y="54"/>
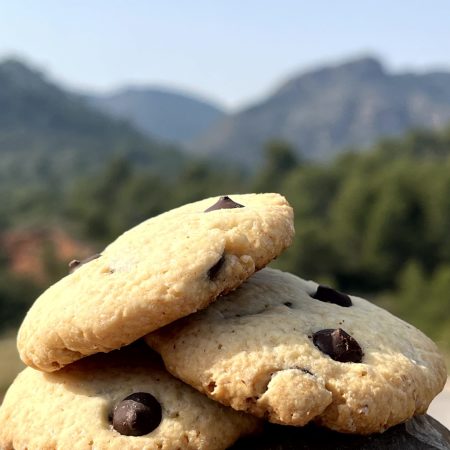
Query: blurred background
<point x="112" y="112"/>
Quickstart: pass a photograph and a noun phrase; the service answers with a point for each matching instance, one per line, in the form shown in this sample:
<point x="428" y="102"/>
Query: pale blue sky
<point x="232" y="50"/>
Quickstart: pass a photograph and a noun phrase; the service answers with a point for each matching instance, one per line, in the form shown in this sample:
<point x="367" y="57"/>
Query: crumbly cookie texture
<point x="76" y="408"/>
<point x="292" y="351"/>
<point x="165" y="268"/>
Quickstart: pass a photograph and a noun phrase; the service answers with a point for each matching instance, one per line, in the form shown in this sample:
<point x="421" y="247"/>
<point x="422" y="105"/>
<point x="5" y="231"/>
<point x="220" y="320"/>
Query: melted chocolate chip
<point x="329" y="295"/>
<point x="212" y="273"/>
<point x="224" y="202"/>
<point x="338" y="345"/>
<point x="136" y="415"/>
<point x="75" y="264"/>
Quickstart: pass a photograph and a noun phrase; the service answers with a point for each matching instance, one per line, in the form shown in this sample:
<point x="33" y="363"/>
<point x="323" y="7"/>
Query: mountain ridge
<point x="320" y="112"/>
<point x="48" y="134"/>
<point x="164" y="113"/>
<point x="332" y="108"/>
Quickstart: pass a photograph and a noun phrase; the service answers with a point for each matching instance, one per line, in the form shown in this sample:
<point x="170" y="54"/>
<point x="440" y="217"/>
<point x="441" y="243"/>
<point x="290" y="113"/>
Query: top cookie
<point x="163" y="269"/>
<point x="292" y="351"/>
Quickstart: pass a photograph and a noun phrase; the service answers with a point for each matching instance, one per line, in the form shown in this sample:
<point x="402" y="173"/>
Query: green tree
<point x="16" y="296"/>
<point x="94" y="199"/>
<point x="280" y="160"/>
<point x="408" y="300"/>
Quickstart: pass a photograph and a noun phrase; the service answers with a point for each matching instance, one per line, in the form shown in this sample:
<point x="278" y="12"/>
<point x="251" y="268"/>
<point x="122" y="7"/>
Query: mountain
<point x="324" y="111"/>
<point x="160" y="113"/>
<point x="49" y="135"/>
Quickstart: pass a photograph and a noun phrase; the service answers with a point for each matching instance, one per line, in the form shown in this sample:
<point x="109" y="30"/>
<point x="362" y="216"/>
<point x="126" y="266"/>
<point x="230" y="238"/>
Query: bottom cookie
<point x="418" y="433"/>
<point x="124" y="400"/>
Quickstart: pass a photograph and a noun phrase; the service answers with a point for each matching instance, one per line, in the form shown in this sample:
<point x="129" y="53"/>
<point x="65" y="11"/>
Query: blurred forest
<point x="374" y="223"/>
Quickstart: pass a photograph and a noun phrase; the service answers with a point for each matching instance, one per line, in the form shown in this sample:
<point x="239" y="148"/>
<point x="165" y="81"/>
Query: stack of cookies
<point x="239" y="349"/>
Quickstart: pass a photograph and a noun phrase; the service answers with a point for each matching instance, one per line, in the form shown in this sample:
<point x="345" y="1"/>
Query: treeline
<point x="374" y="223"/>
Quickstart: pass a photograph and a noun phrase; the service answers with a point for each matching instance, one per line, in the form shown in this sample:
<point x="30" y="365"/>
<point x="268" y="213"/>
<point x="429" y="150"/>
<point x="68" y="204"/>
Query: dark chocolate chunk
<point x="338" y="345"/>
<point x="75" y="264"/>
<point x="329" y="295"/>
<point x="136" y="415"/>
<point x="224" y="202"/>
<point x="212" y="273"/>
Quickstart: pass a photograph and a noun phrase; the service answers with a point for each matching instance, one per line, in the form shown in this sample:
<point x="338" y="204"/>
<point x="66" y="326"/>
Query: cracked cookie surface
<point x="292" y="351"/>
<point x="165" y="268"/>
<point x="84" y="406"/>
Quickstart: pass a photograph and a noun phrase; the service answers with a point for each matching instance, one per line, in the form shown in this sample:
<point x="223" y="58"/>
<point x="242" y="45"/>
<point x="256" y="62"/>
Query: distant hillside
<point x="41" y="253"/>
<point x="335" y="107"/>
<point x="163" y="114"/>
<point x="48" y="135"/>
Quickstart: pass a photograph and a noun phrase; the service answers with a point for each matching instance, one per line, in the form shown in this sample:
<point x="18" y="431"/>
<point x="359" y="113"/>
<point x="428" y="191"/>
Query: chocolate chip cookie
<point x="163" y="269"/>
<point x="123" y="400"/>
<point x="292" y="351"/>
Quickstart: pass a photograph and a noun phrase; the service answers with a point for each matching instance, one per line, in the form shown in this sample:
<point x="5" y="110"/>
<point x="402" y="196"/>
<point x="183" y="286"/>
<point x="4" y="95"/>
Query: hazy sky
<point x="231" y="51"/>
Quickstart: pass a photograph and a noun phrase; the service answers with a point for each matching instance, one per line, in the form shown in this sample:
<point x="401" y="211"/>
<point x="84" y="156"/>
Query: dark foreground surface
<point x="421" y="433"/>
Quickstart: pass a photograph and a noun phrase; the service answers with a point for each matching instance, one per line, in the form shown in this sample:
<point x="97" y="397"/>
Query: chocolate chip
<point x="75" y="264"/>
<point x="303" y="369"/>
<point x="329" y="295"/>
<point x="338" y="344"/>
<point x="136" y="415"/>
<point x="306" y="371"/>
<point x="212" y="273"/>
<point x="288" y="304"/>
<point x="224" y="202"/>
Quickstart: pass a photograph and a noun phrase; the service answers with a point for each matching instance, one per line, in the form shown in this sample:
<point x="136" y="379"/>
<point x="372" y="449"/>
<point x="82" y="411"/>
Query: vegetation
<point x="49" y="136"/>
<point x="373" y="223"/>
<point x="12" y="363"/>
